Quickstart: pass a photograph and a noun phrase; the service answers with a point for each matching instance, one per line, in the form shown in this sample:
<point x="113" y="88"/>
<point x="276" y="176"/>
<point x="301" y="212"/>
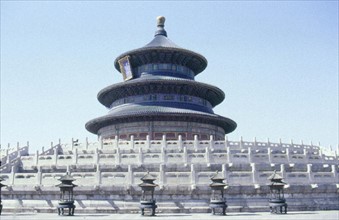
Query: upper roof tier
<point x="163" y="50"/>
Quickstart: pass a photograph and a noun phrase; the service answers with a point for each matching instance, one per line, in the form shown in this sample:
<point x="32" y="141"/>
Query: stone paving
<point x="307" y="215"/>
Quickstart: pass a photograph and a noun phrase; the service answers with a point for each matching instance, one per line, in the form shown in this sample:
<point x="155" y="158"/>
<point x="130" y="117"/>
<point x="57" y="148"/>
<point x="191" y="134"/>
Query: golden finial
<point x="161" y="21"/>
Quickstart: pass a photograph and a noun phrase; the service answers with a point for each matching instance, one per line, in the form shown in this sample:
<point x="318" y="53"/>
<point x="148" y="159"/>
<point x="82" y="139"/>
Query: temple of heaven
<point x="161" y="122"/>
<point x="159" y="96"/>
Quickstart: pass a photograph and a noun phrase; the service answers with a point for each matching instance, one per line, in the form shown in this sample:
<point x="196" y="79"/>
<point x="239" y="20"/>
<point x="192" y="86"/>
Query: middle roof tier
<point x="160" y="84"/>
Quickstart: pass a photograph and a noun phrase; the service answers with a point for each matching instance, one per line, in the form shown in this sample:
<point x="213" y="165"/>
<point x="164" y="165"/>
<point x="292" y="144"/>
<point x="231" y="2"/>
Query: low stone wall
<point x="170" y="199"/>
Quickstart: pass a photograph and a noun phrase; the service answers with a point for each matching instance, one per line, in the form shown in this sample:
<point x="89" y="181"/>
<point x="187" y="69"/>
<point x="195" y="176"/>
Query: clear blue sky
<point x="276" y="61"/>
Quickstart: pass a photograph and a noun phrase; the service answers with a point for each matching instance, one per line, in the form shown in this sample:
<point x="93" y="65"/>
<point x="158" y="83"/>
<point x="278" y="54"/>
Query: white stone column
<point x="309" y="173"/>
<point x="116" y="142"/>
<point x="101" y="144"/>
<point x="18" y="149"/>
<point x="117" y="156"/>
<point x="269" y="152"/>
<point x="321" y="156"/>
<point x="282" y="170"/>
<point x="98" y="175"/>
<point x="334" y="172"/>
<point x="131" y="142"/>
<point x="193" y="177"/>
<point x="141" y="156"/>
<point x="13" y="170"/>
<point x="185" y="155"/>
<point x="288" y="154"/>
<point x="229" y="160"/>
<point x="249" y="154"/>
<point x="207" y="155"/>
<point x="7" y="155"/>
<point x="211" y="142"/>
<point x="254" y="173"/>
<point x="161" y="176"/>
<point x="130" y="176"/>
<point x="179" y="141"/>
<point x="196" y="142"/>
<point x="224" y="171"/>
<point x="163" y="155"/>
<point x="163" y="141"/>
<point x="148" y="141"/>
<point x="39" y="176"/>
<point x="36" y="158"/>
<point x="55" y="156"/>
<point x="96" y="156"/>
<point x="75" y="156"/>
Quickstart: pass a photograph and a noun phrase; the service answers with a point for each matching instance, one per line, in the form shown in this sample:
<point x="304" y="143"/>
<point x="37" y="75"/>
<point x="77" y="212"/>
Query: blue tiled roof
<point x="119" y="90"/>
<point x="161" y="41"/>
<point x="136" y="109"/>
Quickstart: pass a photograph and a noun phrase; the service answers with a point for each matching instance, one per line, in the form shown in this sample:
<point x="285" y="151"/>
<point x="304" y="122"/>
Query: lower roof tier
<point x="170" y="126"/>
<point x="160" y="114"/>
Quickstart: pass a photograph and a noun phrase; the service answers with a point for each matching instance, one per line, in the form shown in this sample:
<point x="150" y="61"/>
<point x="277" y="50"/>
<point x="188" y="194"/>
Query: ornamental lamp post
<point x="1" y="185"/>
<point x="218" y="200"/>
<point x="277" y="202"/>
<point x="66" y="194"/>
<point x="147" y="199"/>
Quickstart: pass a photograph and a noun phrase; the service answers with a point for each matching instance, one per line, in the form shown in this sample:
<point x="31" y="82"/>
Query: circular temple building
<point x="161" y="121"/>
<point x="159" y="96"/>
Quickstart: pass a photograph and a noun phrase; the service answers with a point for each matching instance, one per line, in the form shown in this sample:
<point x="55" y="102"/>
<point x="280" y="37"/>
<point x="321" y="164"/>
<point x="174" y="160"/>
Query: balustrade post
<point x="185" y="155"/>
<point x="75" y="156"/>
<point x="211" y="142"/>
<point x="117" y="156"/>
<point x="163" y="155"/>
<point x="196" y="142"/>
<point x="96" y="156"/>
<point x="161" y="176"/>
<point x="163" y="141"/>
<point x="207" y="155"/>
<point x="55" y="156"/>
<point x="282" y="170"/>
<point x="269" y="152"/>
<point x="309" y="173"/>
<point x="249" y="154"/>
<point x="180" y="141"/>
<point x="98" y="175"/>
<point x="36" y="158"/>
<point x="193" y="177"/>
<point x="132" y="141"/>
<point x="229" y="160"/>
<point x="334" y="172"/>
<point x="141" y="156"/>
<point x="148" y="142"/>
<point x="254" y="173"/>
<point x="130" y="175"/>
<point x="39" y="176"/>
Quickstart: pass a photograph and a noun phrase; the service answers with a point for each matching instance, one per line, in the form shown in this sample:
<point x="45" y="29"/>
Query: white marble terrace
<point x="172" y="162"/>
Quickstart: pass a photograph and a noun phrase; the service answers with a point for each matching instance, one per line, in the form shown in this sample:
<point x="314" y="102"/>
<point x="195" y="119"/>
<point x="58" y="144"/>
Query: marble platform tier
<point x="108" y="173"/>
